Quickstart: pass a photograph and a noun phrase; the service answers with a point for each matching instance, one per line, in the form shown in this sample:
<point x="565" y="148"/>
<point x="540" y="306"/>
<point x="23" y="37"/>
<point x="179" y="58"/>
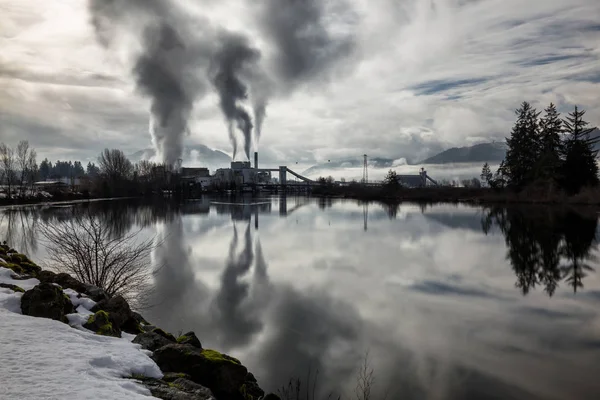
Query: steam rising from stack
<point x="182" y="56"/>
<point x="233" y="58"/>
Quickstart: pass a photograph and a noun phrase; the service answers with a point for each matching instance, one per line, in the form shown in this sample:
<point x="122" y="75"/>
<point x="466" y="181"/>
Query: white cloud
<point x="425" y="74"/>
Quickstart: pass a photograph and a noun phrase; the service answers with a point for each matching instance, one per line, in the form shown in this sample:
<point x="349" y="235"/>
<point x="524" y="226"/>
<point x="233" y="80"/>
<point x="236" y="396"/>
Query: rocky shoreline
<point x="190" y="372"/>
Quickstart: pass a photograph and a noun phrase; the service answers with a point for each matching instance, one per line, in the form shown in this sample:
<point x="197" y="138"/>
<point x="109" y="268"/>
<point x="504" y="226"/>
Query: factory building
<point x="240" y="173"/>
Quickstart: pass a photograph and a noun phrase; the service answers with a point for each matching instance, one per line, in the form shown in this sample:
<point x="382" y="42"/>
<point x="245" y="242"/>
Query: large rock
<point x="101" y="324"/>
<point x="250" y="388"/>
<point x="164" y="334"/>
<point x="120" y="314"/>
<point x="151" y="340"/>
<point x="117" y="307"/>
<point x="46" y="276"/>
<point x="189" y="338"/>
<point x="139" y="319"/>
<point x="179" y="389"/>
<point x="220" y="373"/>
<point x="47" y="301"/>
<point x="95" y="293"/>
<point x="66" y="281"/>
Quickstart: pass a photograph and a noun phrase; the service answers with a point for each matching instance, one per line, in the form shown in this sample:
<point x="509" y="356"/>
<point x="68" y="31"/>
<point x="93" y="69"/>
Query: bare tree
<point x="26" y="163"/>
<point x="85" y="248"/>
<point x="115" y="165"/>
<point x="364" y="380"/>
<point x="7" y="166"/>
<point x="32" y="167"/>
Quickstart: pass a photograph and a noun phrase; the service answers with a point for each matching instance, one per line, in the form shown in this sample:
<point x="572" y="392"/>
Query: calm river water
<point x="449" y="302"/>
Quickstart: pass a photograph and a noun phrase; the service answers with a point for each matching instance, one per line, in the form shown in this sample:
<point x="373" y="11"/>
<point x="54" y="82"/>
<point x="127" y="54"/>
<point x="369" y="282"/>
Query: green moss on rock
<point x="173" y="376"/>
<point x="14" y="288"/>
<point x="215" y="356"/>
<point x="106" y="330"/>
<point x="31" y="268"/>
<point x="103" y="315"/>
<point x="182" y="338"/>
<point x="12" y="266"/>
<point x="100" y="323"/>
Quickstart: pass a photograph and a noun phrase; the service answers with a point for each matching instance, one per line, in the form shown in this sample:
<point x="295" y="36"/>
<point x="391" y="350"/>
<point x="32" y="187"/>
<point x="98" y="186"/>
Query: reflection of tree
<point x="579" y="238"/>
<point x="324" y="202"/>
<point x="391" y="209"/>
<point x="540" y="239"/>
<point x="18" y="227"/>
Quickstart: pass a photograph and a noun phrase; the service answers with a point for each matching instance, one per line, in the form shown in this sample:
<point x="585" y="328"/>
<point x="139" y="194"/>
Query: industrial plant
<point x="241" y="174"/>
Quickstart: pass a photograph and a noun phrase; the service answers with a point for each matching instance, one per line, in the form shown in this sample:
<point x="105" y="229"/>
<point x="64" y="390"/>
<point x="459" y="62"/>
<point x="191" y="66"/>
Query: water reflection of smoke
<point x="233" y="309"/>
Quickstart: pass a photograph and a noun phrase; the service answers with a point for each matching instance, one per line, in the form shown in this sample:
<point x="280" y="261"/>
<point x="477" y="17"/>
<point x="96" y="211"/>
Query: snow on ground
<point x="10" y="300"/>
<point x="46" y="359"/>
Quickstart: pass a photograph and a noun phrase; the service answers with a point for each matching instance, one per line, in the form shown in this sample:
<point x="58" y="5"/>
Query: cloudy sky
<point x="401" y="78"/>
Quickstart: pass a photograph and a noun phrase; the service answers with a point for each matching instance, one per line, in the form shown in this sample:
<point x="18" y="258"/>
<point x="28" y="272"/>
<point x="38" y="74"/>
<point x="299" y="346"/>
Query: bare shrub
<point x="365" y="380"/>
<point x="85" y="248"/>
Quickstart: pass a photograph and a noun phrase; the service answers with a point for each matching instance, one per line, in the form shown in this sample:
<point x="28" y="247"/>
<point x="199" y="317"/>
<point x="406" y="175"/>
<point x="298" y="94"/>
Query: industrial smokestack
<point x="256" y="159"/>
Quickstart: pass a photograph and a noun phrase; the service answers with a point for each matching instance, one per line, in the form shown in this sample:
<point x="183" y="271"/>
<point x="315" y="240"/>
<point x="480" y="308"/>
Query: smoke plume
<point x="305" y="49"/>
<point x="181" y="55"/>
<point x="306" y="46"/>
<point x="165" y="68"/>
<point x="233" y="62"/>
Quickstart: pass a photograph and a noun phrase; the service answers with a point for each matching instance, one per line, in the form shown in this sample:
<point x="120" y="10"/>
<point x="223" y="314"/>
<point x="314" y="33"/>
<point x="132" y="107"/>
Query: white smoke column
<point x="166" y="66"/>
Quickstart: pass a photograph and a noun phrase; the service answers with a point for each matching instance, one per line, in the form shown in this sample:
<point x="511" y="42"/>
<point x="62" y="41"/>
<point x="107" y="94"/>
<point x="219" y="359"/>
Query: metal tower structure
<point x="365" y="170"/>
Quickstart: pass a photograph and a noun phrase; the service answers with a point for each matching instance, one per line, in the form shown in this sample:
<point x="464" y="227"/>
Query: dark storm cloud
<point x="305" y="45"/>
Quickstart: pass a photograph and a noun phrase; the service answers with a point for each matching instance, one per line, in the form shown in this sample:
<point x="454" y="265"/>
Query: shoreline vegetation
<point x="359" y="192"/>
<point x="530" y="195"/>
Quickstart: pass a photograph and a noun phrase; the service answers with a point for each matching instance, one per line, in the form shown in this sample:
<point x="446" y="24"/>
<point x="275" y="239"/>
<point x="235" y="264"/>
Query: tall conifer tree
<point x="580" y="168"/>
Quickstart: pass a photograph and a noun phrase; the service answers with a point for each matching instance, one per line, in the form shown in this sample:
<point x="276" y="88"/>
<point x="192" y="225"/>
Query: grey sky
<point x="416" y="74"/>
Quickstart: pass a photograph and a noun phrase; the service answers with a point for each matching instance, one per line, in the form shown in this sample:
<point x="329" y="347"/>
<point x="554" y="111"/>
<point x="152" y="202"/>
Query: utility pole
<point x="365" y="170"/>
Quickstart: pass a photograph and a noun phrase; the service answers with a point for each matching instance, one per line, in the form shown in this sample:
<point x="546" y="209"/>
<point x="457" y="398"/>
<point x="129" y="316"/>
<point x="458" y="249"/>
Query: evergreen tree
<point x="523" y="147"/>
<point x="45" y="169"/>
<point x="551" y="147"/>
<point x="78" y="170"/>
<point x="92" y="170"/>
<point x="580" y="168"/>
<point x="486" y="174"/>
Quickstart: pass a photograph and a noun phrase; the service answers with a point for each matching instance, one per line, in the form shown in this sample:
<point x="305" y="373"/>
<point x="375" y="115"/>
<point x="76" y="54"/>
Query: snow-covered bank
<point x="61" y="338"/>
<point x="47" y="359"/>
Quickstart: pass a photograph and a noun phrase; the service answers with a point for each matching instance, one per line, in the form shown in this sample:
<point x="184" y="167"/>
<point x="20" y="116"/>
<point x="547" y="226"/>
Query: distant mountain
<point x="484" y="152"/>
<point x="375" y="162"/>
<point x="192" y="155"/>
<point x="595" y="134"/>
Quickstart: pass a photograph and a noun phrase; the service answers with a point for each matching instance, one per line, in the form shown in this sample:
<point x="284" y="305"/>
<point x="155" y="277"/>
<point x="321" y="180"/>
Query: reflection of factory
<point x="242" y="211"/>
<point x="240" y="173"/>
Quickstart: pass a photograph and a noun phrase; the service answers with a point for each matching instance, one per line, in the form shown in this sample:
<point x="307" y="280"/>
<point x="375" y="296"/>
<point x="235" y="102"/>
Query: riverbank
<point x="78" y="342"/>
<point x="538" y="195"/>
